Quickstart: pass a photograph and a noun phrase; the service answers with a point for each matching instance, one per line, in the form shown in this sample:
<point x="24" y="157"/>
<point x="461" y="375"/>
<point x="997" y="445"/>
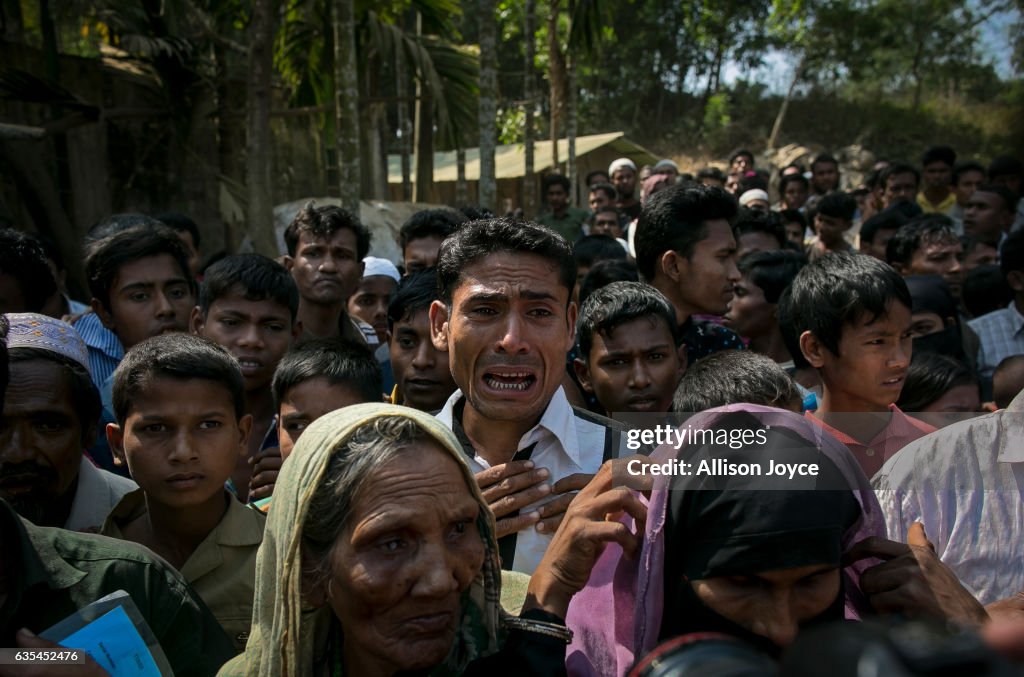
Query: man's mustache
<point x="26" y="470"/>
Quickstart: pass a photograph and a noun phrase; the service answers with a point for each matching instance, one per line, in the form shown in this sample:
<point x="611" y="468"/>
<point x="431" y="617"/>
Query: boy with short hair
<point x="423" y="379"/>
<point x="834" y="216"/>
<point x="249" y="304"/>
<point x="630" y="353"/>
<point x="141" y="287"/>
<point x="927" y="245"/>
<point x="369" y="304"/>
<point x="736" y="377"/>
<point x="181" y="426"/>
<point x="852" y="313"/>
<point x="318" y="377"/>
<point x="421" y="236"/>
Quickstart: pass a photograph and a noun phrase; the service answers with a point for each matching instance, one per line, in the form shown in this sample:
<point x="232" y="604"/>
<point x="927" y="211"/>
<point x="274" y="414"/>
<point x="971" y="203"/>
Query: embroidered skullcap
<point x="32" y="330"/>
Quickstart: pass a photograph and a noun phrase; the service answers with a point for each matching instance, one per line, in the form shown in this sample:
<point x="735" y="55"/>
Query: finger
<point x="268" y="463"/>
<point x="556" y="507"/>
<point x="519" y="500"/>
<point x="269" y="452"/>
<point x="601" y="482"/>
<point x="611" y="502"/>
<point x="264" y="478"/>
<point x="884" y="577"/>
<point x="550" y="525"/>
<point x="573" y="482"/>
<point x="511" y="525"/>
<point x="917" y="537"/>
<point x="873" y="546"/>
<point x="516" y="483"/>
<point x="261" y="492"/>
<point x="486" y="478"/>
<point x="600" y="533"/>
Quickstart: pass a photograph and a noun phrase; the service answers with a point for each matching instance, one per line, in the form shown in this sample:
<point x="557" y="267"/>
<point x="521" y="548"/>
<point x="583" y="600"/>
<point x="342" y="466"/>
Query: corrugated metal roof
<point x="510" y="163"/>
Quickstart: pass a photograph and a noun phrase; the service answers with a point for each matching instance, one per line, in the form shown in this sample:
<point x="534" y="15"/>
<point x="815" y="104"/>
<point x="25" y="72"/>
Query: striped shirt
<point x="105" y="350"/>
<point x="1001" y="333"/>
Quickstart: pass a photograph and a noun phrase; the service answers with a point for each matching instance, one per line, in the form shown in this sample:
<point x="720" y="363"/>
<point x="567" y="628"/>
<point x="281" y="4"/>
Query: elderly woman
<point x="754" y="557"/>
<point x="379" y="557"/>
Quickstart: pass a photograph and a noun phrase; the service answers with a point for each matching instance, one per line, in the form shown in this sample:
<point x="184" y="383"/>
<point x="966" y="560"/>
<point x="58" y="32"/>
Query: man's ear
<point x="571" y="314"/>
<point x="583" y="374"/>
<point x="673" y="265"/>
<point x="438" y="314"/>
<point x="899" y="267"/>
<point x="115" y="439"/>
<point x="813" y="350"/>
<point x="1015" y="278"/>
<point x="105" y="317"/>
<point x="287" y="261"/>
<point x="296" y="330"/>
<point x="244" y="430"/>
<point x="684" y="361"/>
<point x="196" y="321"/>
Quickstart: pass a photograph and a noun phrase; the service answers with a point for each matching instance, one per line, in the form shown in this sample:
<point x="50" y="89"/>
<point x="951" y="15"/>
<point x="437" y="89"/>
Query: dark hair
<point x="755" y="180"/>
<point x="757" y="221"/>
<point x="117" y="223"/>
<point x="606" y="188"/>
<point x="970" y="243"/>
<point x="999" y="396"/>
<point x="918" y="232"/>
<point x="593" y="173"/>
<point x="605" y="272"/>
<point x="182" y="357"/>
<point x="85" y="397"/>
<point x="476" y="212"/>
<point x="478" y="239"/>
<point x="735" y="377"/>
<point x="790" y="334"/>
<point x="899" y="168"/>
<point x="415" y="292"/>
<point x="608" y="209"/>
<point x="181" y="224"/>
<point x="51" y="250"/>
<point x="711" y="173"/>
<point x="824" y="158"/>
<point x="741" y="153"/>
<point x="837" y="205"/>
<point x="888" y="219"/>
<point x="792" y="178"/>
<point x="1011" y="253"/>
<point x="255" y="277"/>
<point x="841" y="289"/>
<point x="429" y="223"/>
<point x="676" y="218"/>
<point x="555" y="180"/>
<point x="943" y="154"/>
<point x="873" y="178"/>
<point x="5" y="375"/>
<point x="109" y="255"/>
<point x="590" y="249"/>
<point x="616" y="304"/>
<point x="963" y="167"/>
<point x="341" y="362"/>
<point x="23" y="258"/>
<point x="792" y="216"/>
<point x="1008" y="197"/>
<point x="985" y="289"/>
<point x="772" y="271"/>
<point x="1005" y="165"/>
<point x="929" y="377"/>
<point x="325" y="222"/>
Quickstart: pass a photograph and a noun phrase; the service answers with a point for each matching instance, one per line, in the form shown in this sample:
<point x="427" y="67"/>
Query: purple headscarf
<point x="617" y="617"/>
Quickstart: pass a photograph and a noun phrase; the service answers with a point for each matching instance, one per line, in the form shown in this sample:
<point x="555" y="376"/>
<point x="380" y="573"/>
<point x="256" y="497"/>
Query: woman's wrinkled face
<point x="773" y="604"/>
<point x="398" y="570"/>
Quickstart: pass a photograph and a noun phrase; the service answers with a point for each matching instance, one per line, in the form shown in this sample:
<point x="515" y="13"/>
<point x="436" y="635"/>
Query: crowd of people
<point x="445" y="437"/>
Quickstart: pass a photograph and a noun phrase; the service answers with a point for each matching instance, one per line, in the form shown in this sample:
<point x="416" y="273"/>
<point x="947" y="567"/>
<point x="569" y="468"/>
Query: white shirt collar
<point x="558" y="419"/>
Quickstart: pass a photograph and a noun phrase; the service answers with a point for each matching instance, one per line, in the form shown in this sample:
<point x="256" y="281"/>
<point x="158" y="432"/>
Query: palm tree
<point x="488" y="186"/>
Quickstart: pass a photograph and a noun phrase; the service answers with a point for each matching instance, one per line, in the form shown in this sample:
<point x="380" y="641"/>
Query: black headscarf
<point x="930" y="293"/>
<point x="743" y="525"/>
